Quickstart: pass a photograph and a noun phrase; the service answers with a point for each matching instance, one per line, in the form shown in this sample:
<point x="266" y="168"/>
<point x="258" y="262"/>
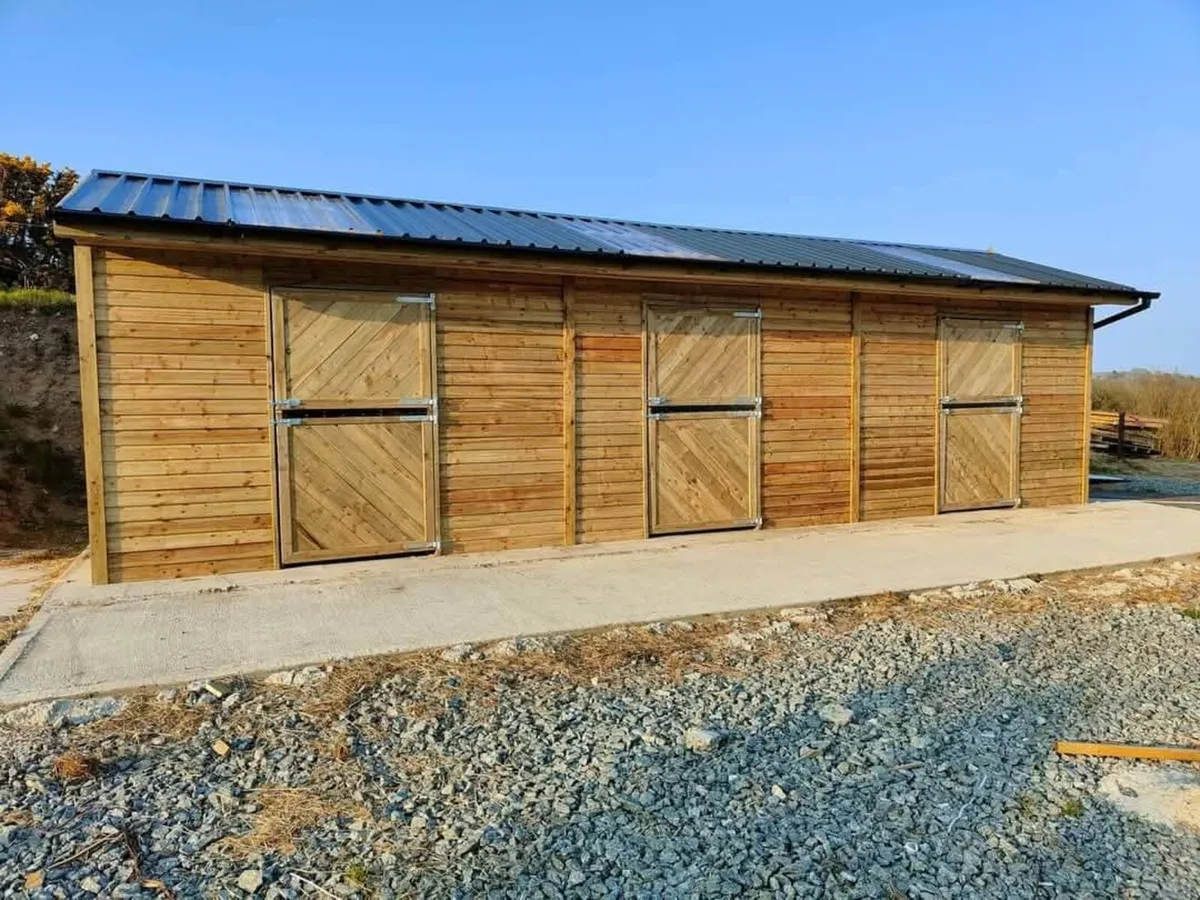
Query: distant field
<point x="1164" y="395"/>
<point x="32" y="298"/>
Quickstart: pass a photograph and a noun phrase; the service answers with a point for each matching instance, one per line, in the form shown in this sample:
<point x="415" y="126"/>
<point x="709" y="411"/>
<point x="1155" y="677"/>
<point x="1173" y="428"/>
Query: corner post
<point x="570" y="450"/>
<point x="855" y="405"/>
<point x="89" y="397"/>
<point x="1085" y="488"/>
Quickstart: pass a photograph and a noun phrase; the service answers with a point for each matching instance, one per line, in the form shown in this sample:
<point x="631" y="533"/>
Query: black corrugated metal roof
<point x="245" y="206"/>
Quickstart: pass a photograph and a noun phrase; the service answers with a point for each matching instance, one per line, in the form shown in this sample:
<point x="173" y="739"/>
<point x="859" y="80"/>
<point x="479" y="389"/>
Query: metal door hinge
<point x="429" y="299"/>
<point x="289" y="403"/>
<point x="1016" y="326"/>
<point x="747" y="313"/>
<point x="657" y="401"/>
<point x="289" y="421"/>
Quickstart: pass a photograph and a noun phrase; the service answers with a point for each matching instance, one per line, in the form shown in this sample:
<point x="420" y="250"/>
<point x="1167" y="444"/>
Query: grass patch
<point x="284" y="814"/>
<point x="147" y="717"/>
<point x="1191" y="612"/>
<point x="36" y="299"/>
<point x="607" y="657"/>
<point x="1072" y="809"/>
<point x="1027" y="805"/>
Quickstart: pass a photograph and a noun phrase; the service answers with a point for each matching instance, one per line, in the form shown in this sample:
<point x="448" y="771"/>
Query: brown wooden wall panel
<point x="609" y="415"/>
<point x="184" y="414"/>
<point x="500" y="382"/>
<point x="183" y="385"/>
<point x="1054" y="372"/>
<point x="806" y="432"/>
<point x="899" y="409"/>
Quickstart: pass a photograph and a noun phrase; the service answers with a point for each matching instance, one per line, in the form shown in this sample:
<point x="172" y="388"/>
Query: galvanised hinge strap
<point x="747" y="313"/>
<point x="289" y="403"/>
<point x="428" y="299"/>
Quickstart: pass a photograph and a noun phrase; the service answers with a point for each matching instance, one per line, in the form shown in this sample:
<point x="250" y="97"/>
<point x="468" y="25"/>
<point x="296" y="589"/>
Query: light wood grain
<point x="89" y="401"/>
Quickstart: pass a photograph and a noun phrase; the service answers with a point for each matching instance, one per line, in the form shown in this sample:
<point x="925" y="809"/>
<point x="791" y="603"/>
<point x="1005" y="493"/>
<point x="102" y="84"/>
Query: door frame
<point x="650" y="417"/>
<point x="280" y="467"/>
<point x="1014" y="406"/>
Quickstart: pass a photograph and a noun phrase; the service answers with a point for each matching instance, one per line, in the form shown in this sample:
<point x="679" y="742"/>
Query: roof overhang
<point x="107" y="230"/>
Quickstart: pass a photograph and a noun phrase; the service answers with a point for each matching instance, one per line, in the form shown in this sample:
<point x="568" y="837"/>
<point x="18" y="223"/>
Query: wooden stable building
<point x="273" y="376"/>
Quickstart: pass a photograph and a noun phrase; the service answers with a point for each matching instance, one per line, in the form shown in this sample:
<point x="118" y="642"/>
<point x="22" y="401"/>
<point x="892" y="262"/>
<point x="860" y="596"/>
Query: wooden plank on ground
<point x="1128" y="751"/>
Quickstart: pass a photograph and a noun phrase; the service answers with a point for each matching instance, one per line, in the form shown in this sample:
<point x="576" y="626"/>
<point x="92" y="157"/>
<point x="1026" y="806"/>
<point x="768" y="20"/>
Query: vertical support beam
<point x="432" y="443"/>
<point x="855" y="407"/>
<point x="570" y="449"/>
<point x="939" y="418"/>
<point x="647" y="474"/>
<point x="89" y="397"/>
<point x="1085" y="489"/>
<point x="272" y="357"/>
<point x="756" y="449"/>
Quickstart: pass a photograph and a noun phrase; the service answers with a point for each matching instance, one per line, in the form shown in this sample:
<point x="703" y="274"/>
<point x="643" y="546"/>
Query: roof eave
<point x="239" y="231"/>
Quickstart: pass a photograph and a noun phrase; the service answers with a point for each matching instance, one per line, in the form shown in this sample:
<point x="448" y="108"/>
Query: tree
<point x="29" y="255"/>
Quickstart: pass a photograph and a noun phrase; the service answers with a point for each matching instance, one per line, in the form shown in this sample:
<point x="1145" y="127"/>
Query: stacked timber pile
<point x="1124" y="433"/>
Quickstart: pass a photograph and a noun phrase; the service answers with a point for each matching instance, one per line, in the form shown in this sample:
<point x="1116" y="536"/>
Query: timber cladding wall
<point x="181" y="357"/>
<point x="849" y="429"/>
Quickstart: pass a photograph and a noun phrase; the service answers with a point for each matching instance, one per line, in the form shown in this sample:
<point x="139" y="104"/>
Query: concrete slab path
<point x="16" y="584"/>
<point x="90" y="639"/>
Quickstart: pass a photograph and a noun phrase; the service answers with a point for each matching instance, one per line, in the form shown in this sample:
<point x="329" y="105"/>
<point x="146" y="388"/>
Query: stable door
<point x="355" y="420"/>
<point x="703" y="415"/>
<point x="981" y="406"/>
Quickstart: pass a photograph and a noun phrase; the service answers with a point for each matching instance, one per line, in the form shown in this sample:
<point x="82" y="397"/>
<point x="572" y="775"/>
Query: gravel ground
<point x="898" y="747"/>
<point x="1146" y="478"/>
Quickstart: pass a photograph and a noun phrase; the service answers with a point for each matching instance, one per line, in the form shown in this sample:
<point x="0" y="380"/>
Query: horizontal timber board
<point x="251" y="349"/>
<point x="181" y="436"/>
<point x="126" y="498"/>
<point x="190" y="466"/>
<point x="122" y="543"/>
<point x="151" y="527"/>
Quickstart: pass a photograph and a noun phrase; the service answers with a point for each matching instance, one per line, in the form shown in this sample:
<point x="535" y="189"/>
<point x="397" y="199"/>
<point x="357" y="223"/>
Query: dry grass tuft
<point x="347" y="680"/>
<point x="74" y="766"/>
<point x="284" y="815"/>
<point x="147" y="717"/>
<point x="1165" y="395"/>
<point x="608" y="656"/>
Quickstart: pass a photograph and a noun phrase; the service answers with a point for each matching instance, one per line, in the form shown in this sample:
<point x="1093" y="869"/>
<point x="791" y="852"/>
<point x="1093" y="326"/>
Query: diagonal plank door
<point x="980" y="360"/>
<point x="701" y="356"/>
<point x="981" y="413"/>
<point x="345" y="348"/>
<point x="702" y="376"/>
<point x="355" y="426"/>
<point x="357" y="487"/>
<point x="979" y="454"/>
<point x="704" y="474"/>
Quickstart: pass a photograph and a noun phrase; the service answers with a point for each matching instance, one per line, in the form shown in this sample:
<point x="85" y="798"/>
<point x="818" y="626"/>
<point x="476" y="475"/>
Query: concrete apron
<point x="91" y="639"/>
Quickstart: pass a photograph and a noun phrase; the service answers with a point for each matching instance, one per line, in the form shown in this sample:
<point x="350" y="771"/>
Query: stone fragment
<point x="703" y="740"/>
<point x="458" y="653"/>
<point x="836" y="714"/>
<point x="250" y="880"/>
<point x="804" y="615"/>
<point x="57" y="713"/>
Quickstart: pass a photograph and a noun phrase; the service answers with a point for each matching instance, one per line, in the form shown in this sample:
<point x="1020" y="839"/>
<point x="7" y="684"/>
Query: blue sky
<point x="1064" y="132"/>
